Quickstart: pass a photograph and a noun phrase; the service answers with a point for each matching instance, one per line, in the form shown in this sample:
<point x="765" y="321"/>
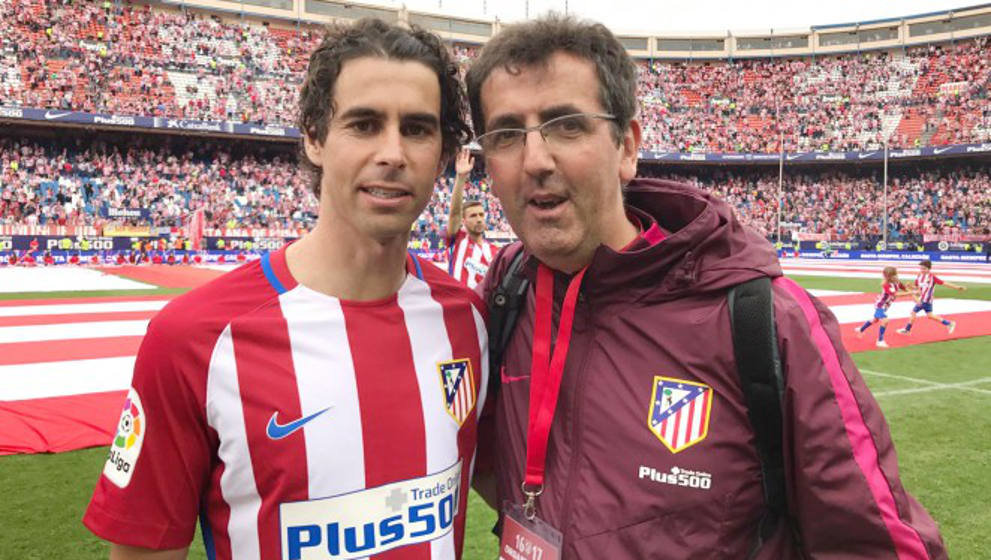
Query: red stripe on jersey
<point x="463" y="334"/>
<point x="65" y="350"/>
<point x="394" y="444"/>
<point x="267" y="380"/>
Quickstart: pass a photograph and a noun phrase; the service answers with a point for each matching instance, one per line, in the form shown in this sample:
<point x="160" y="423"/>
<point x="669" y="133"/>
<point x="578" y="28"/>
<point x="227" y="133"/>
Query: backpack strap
<point x="755" y="346"/>
<point x="504" y="309"/>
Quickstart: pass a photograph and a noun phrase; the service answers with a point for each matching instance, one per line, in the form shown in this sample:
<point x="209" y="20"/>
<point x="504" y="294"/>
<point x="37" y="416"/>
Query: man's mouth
<point x="384" y="192"/>
<point x="546" y="201"/>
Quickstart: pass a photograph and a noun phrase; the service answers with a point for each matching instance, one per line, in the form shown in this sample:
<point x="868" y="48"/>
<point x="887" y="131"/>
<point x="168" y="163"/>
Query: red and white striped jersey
<point x="469" y="261"/>
<point x="889" y="290"/>
<point x="926" y="283"/>
<point x="299" y="425"/>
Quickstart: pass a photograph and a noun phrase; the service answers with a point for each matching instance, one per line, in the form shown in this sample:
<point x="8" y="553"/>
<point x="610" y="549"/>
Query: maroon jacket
<point x="619" y="489"/>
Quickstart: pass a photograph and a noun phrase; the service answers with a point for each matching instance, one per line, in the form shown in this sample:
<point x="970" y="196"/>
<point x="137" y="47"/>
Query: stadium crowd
<point x="849" y="204"/>
<point x="80" y="183"/>
<point x="75" y="183"/>
<point x="124" y="58"/>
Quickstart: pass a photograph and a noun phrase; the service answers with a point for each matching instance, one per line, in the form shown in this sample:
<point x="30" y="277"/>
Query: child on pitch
<point x="890" y="289"/>
<point x="925" y="283"/>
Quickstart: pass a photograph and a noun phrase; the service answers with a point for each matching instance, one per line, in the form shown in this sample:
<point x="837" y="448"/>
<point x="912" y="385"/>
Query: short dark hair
<point x="534" y="42"/>
<point x="373" y="37"/>
<point x="926" y="263"/>
<point x="469" y="203"/>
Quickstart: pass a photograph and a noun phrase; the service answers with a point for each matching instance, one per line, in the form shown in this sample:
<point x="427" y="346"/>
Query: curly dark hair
<point x="532" y="43"/>
<point x="375" y="38"/>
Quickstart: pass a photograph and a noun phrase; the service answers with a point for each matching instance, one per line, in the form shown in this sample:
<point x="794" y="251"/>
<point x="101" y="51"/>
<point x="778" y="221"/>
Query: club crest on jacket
<point x="679" y="412"/>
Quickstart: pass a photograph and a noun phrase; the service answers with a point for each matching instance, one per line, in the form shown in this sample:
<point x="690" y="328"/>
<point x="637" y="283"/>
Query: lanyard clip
<point x="530" y="505"/>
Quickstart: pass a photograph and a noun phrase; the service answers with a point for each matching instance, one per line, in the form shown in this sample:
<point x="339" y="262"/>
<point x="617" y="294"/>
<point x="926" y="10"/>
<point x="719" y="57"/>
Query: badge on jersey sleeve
<point x="679" y="412"/>
<point x="126" y="446"/>
<point x="458" y="384"/>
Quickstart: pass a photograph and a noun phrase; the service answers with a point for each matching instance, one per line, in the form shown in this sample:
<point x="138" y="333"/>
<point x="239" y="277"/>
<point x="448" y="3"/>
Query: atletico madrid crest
<point x="679" y="412"/>
<point x="459" y="388"/>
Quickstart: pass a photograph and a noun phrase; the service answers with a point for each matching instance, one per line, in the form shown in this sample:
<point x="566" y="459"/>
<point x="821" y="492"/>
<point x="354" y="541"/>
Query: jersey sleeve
<point x="842" y="470"/>
<point x="937" y="280"/>
<point x="149" y="492"/>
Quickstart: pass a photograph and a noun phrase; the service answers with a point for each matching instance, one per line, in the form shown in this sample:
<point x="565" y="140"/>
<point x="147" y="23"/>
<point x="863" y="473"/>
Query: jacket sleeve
<point x="844" y="489"/>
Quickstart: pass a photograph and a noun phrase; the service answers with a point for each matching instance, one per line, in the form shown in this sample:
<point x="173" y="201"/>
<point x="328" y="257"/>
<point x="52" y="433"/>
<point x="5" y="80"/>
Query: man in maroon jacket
<point x="621" y="423"/>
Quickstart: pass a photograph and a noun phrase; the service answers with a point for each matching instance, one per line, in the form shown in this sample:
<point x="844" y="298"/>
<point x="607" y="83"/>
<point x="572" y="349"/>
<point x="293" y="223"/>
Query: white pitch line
<point x="965" y="386"/>
<point x="839" y="273"/>
<point x="929" y="385"/>
<point x="902" y="377"/>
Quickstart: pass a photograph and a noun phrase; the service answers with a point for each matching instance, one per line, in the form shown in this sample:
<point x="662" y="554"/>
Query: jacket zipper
<point x="577" y="422"/>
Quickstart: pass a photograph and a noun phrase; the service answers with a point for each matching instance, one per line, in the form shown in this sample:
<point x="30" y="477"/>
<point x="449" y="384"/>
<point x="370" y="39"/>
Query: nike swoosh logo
<point x="50" y="115"/>
<point x="511" y="378"/>
<point x="938" y="151"/>
<point x="867" y="155"/>
<point x="279" y="431"/>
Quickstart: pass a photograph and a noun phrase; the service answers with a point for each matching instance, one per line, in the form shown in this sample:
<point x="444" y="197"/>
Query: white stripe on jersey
<point x="926" y="284"/>
<point x="226" y="416"/>
<point x="483" y="383"/>
<point x="478" y="254"/>
<point x="459" y="259"/>
<point x="318" y="337"/>
<point x="424" y="319"/>
<point x="483" y="345"/>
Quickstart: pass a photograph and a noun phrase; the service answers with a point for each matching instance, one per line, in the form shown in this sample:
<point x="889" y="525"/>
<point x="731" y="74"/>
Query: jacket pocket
<point x="676" y="536"/>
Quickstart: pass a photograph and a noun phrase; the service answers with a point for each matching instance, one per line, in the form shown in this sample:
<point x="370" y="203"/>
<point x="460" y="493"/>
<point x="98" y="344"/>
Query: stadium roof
<point x="696" y="16"/>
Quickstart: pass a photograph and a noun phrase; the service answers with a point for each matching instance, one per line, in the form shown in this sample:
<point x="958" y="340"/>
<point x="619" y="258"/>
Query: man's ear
<point x="629" y="152"/>
<point x="314" y="150"/>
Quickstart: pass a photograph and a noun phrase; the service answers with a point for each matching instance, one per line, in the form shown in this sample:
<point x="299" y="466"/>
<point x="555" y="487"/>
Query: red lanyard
<point x="546" y="371"/>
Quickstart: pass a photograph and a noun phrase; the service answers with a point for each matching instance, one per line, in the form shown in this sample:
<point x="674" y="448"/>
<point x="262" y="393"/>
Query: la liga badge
<point x="679" y="412"/>
<point x="126" y="446"/>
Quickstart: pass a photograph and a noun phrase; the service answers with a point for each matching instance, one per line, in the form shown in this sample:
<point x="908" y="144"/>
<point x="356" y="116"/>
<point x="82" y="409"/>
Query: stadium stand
<point x="134" y="59"/>
<point x="167" y="61"/>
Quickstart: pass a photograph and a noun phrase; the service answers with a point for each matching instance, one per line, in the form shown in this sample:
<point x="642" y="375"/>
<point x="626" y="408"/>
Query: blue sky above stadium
<point x="693" y="15"/>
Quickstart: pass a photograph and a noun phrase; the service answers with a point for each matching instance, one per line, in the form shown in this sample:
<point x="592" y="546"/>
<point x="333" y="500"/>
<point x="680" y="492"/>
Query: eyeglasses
<point x="557" y="132"/>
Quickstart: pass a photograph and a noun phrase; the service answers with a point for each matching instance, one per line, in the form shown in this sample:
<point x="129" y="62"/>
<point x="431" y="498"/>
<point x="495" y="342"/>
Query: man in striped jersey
<point x="926" y="282"/>
<point x="321" y="402"/>
<point x="469" y="254"/>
